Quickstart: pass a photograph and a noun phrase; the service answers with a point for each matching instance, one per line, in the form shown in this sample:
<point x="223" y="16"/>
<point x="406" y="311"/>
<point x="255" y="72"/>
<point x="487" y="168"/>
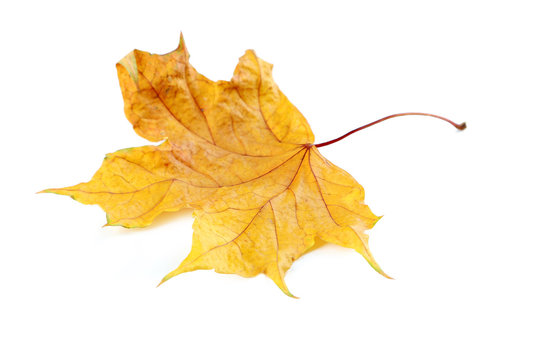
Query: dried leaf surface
<point x="238" y="153"/>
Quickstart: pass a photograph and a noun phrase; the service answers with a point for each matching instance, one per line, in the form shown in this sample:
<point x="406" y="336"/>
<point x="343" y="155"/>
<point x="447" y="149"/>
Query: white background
<point x="460" y="232"/>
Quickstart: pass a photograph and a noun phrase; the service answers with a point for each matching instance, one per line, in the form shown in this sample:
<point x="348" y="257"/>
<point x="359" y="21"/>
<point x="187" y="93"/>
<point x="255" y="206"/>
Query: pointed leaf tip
<point x="291" y="295"/>
<point x="166" y="278"/>
<point x="378" y="269"/>
<point x="181" y="43"/>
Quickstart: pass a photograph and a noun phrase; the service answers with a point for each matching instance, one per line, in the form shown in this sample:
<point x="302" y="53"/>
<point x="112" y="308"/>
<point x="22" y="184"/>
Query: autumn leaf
<point x="239" y="154"/>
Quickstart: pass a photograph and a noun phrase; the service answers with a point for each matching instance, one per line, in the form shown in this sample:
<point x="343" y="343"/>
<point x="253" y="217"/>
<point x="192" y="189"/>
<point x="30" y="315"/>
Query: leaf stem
<point x="461" y="126"/>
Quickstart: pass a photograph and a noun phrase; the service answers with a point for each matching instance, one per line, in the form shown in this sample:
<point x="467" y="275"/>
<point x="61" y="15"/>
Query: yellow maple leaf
<point x="239" y="154"/>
